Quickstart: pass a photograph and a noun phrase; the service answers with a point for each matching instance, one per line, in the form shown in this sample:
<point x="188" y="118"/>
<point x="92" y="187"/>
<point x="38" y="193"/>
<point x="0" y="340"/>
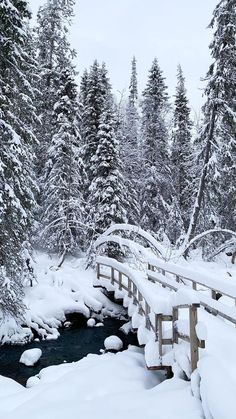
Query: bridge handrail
<point x="213" y="306"/>
<point x="138" y="297"/>
<point x="183" y="273"/>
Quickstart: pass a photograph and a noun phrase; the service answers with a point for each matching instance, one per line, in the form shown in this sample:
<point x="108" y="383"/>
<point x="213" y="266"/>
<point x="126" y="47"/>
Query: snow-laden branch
<point x="205" y="233"/>
<point x="135" y="248"/>
<point x="137" y="230"/>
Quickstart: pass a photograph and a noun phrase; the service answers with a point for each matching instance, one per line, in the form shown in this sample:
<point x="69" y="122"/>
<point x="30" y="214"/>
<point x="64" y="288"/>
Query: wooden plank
<point x="213" y="294"/>
<point x="193" y="337"/>
<point x="156" y="325"/>
<point x="167" y="318"/>
<point x="186" y="338"/>
<point x="135" y="301"/>
<point x="104" y="276"/>
<point x="147" y="319"/>
<point x="197" y="305"/>
<point x="120" y="281"/>
<point x="167" y="341"/>
<point x="98" y="270"/>
<point x="112" y="276"/>
<point x="160" y="337"/>
<point x="140" y="299"/>
<point x="129" y="288"/>
<point x="174" y="326"/>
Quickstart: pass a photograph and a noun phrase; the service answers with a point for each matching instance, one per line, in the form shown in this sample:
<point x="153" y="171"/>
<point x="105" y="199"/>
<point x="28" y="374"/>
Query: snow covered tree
<point x="17" y="184"/>
<point x="128" y="133"/>
<point x="181" y="151"/>
<point x="107" y="198"/>
<point x="54" y="55"/>
<point x="63" y="205"/>
<point x="218" y="132"/>
<point x="97" y="92"/>
<point x="156" y="191"/>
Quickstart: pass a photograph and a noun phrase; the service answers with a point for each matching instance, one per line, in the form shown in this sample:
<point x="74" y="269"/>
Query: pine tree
<point x="17" y="184"/>
<point x="107" y="199"/>
<point x="157" y="186"/>
<point x="63" y="204"/>
<point x="218" y="132"/>
<point x="181" y="152"/>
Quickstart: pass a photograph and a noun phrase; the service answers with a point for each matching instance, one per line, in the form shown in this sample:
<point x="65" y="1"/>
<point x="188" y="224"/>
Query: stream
<point x="73" y="344"/>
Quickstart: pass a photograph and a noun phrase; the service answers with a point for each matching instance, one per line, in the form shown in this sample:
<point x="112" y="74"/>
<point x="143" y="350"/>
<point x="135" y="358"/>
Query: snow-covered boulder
<point x="113" y="343"/>
<point x="91" y="322"/>
<point x="30" y="357"/>
<point x="32" y="381"/>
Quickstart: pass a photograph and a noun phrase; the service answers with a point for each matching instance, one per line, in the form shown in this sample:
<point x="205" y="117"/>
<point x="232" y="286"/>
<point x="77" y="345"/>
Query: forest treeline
<point x="74" y="159"/>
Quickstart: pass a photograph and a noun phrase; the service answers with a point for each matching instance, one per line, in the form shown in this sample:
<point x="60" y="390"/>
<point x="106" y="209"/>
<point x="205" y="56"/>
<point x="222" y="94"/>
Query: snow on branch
<point x="137" y="230"/>
<point x="203" y="234"/>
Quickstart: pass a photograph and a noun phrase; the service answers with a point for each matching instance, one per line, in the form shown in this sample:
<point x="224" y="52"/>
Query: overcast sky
<point x="175" y="31"/>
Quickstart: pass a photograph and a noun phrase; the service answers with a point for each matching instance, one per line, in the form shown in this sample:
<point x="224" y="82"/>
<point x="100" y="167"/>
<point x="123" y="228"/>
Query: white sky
<point x="172" y="30"/>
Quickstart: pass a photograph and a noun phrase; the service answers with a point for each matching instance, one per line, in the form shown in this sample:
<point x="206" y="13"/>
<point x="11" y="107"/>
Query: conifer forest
<point x="77" y="159"/>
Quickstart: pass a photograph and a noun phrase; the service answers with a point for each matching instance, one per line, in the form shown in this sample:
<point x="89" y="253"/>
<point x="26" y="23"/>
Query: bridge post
<point x="129" y="288"/>
<point x="147" y="319"/>
<point x="174" y="327"/>
<point x="140" y="299"/>
<point x="134" y="294"/>
<point x="160" y="337"/>
<point x="112" y="276"/>
<point x="98" y="270"/>
<point x="120" y="281"/>
<point x="194" y="343"/>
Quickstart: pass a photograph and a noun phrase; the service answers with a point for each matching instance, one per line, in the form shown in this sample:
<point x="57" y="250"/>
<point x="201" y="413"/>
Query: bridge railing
<point x="182" y="274"/>
<point x="158" y="270"/>
<point x="122" y="277"/>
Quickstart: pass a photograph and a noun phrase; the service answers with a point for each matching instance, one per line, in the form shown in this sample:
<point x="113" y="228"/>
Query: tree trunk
<point x="202" y="183"/>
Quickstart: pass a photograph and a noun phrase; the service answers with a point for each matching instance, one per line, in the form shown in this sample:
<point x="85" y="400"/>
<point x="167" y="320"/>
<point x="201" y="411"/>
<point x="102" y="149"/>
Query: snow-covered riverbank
<point x="109" y="385"/>
<point x="56" y="294"/>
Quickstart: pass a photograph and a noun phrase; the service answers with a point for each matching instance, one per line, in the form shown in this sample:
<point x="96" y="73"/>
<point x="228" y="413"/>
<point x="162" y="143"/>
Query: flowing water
<point x="73" y="344"/>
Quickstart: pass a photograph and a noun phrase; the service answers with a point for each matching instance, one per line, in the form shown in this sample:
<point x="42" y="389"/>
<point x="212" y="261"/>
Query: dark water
<point x="72" y="345"/>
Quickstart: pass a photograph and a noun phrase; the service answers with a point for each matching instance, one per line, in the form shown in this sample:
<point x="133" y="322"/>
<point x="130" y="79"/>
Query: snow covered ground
<point x="119" y="384"/>
<point x="114" y="386"/>
<point x="57" y="293"/>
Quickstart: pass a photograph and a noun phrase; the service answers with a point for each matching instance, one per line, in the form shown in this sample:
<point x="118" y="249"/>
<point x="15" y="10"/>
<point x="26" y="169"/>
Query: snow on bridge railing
<point x="128" y="228"/>
<point x="144" y="295"/>
<point x="182" y="274"/>
<point x="213" y="306"/>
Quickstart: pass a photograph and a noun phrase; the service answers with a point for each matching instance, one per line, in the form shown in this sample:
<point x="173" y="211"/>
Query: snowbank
<point x="57" y="294"/>
<point x="114" y="386"/>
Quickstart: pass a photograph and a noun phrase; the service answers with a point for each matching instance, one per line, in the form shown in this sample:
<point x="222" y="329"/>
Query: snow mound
<point x="30" y="357"/>
<point x="91" y="322"/>
<point x="113" y="343"/>
<point x="32" y="381"/>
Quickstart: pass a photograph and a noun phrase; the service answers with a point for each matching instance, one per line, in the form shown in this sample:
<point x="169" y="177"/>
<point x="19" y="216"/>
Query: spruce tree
<point x="54" y="54"/>
<point x="17" y="184"/>
<point x="181" y="151"/>
<point x="217" y="137"/>
<point x="156" y="194"/>
<point x="63" y="205"/>
<point x="93" y="100"/>
<point x="128" y="132"/>
<point x="107" y="199"/>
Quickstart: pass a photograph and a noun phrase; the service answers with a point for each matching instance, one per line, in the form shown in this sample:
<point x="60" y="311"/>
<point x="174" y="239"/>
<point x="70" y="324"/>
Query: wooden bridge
<point x="166" y="300"/>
